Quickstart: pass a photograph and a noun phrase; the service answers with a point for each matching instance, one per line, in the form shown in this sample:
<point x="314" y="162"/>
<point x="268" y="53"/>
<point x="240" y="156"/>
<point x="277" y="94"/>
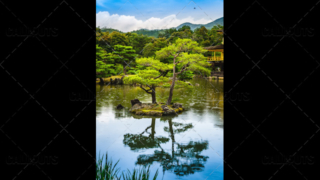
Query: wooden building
<point x="216" y="61"/>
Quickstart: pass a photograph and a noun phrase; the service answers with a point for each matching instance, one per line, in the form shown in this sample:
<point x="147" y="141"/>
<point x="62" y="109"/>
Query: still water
<point x="186" y="146"/>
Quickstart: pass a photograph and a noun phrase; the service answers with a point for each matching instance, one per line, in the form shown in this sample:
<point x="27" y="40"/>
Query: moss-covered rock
<point x="155" y="109"/>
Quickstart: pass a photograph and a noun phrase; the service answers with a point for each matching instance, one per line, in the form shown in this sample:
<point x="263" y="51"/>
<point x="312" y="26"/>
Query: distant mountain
<point x="208" y="26"/>
<point x="156" y="32"/>
<point x="110" y="30"/>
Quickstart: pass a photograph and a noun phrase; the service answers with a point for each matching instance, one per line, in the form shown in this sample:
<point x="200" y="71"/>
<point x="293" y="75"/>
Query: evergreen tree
<point x="104" y="64"/>
<point x="187" y="54"/>
<point x="124" y="55"/>
<point x="151" y="77"/>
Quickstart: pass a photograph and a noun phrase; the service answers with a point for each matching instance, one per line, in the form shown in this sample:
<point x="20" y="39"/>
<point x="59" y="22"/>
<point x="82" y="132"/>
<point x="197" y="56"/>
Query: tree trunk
<point x="172" y="136"/>
<point x="153" y="94"/>
<point x="173" y="82"/>
<point x="101" y="81"/>
<point x="124" y="69"/>
<point x="171" y="88"/>
<point x="153" y="125"/>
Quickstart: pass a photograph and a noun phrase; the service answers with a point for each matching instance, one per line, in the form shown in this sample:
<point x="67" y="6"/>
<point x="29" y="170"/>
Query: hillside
<point x="208" y="26"/>
<point x="110" y="30"/>
<point x="155" y="33"/>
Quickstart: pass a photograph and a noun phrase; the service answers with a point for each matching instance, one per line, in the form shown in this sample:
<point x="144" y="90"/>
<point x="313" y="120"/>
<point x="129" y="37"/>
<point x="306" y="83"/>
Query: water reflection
<point x="187" y="146"/>
<point x="145" y="139"/>
<point x="184" y="159"/>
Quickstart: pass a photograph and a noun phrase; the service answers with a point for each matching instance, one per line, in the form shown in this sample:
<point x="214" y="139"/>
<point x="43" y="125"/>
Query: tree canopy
<point x="188" y="55"/>
<point x="124" y="55"/>
<point x="122" y="48"/>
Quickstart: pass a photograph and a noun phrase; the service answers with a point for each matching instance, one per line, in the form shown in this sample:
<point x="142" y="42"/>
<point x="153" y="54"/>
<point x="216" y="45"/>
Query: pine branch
<point x="183" y="68"/>
<point x="163" y="74"/>
<point x="147" y="91"/>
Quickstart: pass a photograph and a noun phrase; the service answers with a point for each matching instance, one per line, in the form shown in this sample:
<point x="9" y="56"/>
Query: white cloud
<point x="128" y="23"/>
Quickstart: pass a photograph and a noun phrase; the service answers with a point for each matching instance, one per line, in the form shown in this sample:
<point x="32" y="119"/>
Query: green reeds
<point x="140" y="174"/>
<point x="109" y="171"/>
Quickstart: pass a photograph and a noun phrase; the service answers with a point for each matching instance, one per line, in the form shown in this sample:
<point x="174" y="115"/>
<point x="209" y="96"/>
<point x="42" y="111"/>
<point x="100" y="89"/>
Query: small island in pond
<point x="154" y="109"/>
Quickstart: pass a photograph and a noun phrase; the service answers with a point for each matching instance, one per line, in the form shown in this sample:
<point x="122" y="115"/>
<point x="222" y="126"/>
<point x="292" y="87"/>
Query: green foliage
<point x="167" y="33"/>
<point x="132" y="70"/>
<point x="186" y="33"/>
<point x="184" y="27"/>
<point x="117" y="38"/>
<point x="137" y="141"/>
<point x="153" y="33"/>
<point x="146" y="77"/>
<point x="114" y="48"/>
<point x="176" y="49"/>
<point x="138" y="41"/>
<point x="104" y="63"/>
<point x="215" y="38"/>
<point x="175" y="99"/>
<point x="109" y="30"/>
<point x="160" y="43"/>
<point x="109" y="171"/>
<point x="187" y="56"/>
<point x="166" y="85"/>
<point x="154" y="63"/>
<point x="103" y="40"/>
<point x="205" y="35"/>
<point x="118" y="69"/>
<point x="170" y="74"/>
<point x="124" y="55"/>
<point x="139" y="174"/>
<point x="179" y="127"/>
<point x="186" y="75"/>
<point x="148" y="50"/>
<point x="194" y="62"/>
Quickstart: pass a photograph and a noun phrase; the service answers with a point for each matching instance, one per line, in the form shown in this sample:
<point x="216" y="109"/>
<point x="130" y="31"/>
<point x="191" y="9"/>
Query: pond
<point x="185" y="146"/>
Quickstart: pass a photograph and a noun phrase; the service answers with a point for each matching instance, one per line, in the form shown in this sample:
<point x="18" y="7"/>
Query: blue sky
<point x="128" y="15"/>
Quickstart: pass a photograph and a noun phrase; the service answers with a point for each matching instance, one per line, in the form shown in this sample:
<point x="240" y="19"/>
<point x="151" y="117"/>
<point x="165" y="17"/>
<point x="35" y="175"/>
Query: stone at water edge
<point x="120" y="106"/>
<point x="135" y="107"/>
<point x="164" y="108"/>
<point x="135" y="101"/>
<point x="189" y="83"/>
<point x="177" y="105"/>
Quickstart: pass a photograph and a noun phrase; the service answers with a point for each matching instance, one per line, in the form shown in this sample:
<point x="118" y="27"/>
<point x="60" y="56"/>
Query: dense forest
<point x="116" y="49"/>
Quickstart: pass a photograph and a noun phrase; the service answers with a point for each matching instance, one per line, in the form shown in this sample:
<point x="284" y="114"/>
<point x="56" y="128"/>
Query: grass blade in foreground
<point x="108" y="171"/>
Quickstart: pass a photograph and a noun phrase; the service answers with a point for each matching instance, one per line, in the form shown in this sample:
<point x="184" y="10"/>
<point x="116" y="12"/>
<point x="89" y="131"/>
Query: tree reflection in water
<point x="141" y="141"/>
<point x="184" y="159"/>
